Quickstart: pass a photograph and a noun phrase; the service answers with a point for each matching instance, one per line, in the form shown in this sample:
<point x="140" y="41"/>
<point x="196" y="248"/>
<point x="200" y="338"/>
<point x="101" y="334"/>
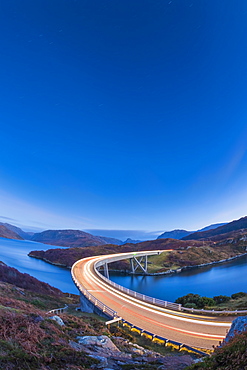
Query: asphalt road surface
<point x="193" y="330"/>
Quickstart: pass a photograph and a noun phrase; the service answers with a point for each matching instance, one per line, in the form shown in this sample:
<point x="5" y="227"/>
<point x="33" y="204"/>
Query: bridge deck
<point x="195" y="331"/>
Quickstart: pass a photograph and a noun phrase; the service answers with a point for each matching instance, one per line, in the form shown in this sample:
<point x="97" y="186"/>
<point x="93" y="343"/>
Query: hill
<point x="181" y="234"/>
<point x="32" y="338"/>
<point x="17" y="230"/>
<point x="175" y="234"/>
<point x="129" y="240"/>
<point x="66" y="257"/>
<point x="213" y="226"/>
<point x="184" y="254"/>
<point x="226" y="228"/>
<point x="70" y="238"/>
<point x="7" y="233"/>
<point x="110" y="240"/>
<point x="26" y="281"/>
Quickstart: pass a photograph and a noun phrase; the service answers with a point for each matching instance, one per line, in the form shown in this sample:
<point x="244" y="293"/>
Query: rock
<point x="239" y="325"/>
<point x="176" y="362"/>
<point x="102" y="361"/>
<point x="137" y="351"/>
<point x="75" y="346"/>
<point x="57" y="319"/>
<point x="38" y="318"/>
<point x="100" y="341"/>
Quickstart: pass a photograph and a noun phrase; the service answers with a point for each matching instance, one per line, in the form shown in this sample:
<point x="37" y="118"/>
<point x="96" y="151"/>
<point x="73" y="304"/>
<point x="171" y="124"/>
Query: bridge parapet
<point x="100" y="306"/>
<point x="140" y="296"/>
<point x="152" y="300"/>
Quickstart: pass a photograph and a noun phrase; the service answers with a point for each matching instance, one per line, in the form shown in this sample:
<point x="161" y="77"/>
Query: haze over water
<point x="226" y="278"/>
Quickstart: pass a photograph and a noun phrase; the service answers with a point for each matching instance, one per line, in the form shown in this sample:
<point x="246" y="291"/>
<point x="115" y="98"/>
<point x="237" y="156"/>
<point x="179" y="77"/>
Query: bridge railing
<point x="212" y="312"/>
<point x="161" y="303"/>
<point x="96" y="302"/>
<point x="163" y="340"/>
<point x="142" y="297"/>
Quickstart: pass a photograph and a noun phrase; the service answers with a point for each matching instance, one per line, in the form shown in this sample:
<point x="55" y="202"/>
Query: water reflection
<point x="226" y="278"/>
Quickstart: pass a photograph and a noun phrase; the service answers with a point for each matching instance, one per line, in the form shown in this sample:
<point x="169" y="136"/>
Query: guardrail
<point x="96" y="302"/>
<point x="113" y="314"/>
<point x="163" y="340"/>
<point x="58" y="310"/>
<point x="132" y="293"/>
<point x="158" y="302"/>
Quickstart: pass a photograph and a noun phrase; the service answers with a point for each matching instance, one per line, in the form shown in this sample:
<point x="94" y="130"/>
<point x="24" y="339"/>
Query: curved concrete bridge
<point x="160" y="318"/>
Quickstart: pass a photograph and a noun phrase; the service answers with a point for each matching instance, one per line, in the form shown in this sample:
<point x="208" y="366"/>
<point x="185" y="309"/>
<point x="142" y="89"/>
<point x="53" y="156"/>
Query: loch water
<point x="15" y="254"/>
<point x="225" y="278"/>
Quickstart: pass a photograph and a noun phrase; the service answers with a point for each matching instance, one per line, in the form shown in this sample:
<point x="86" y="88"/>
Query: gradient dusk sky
<point x="123" y="114"/>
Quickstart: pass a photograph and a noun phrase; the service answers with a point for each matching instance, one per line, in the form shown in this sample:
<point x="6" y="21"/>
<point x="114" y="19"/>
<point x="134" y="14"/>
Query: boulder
<point x="102" y="361"/>
<point x="57" y="319"/>
<point x="239" y="325"/>
<point x="98" y="341"/>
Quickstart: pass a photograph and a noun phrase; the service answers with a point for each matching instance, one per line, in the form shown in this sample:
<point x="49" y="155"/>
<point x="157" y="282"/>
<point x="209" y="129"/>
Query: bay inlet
<point x="225" y="278"/>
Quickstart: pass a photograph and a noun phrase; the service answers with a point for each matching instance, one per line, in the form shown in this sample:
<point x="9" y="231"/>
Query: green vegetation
<point x="238" y="295"/>
<point x="232" y="356"/>
<point x="196" y="255"/>
<point x="221" y="302"/>
<point x="29" y="339"/>
<point x="195" y="301"/>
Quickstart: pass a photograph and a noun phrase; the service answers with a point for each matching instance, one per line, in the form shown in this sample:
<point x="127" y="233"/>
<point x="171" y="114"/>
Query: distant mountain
<point x="131" y="241"/>
<point x="9" y="234"/>
<point x="70" y="238"/>
<point x="211" y="227"/>
<point x="181" y="234"/>
<point x="226" y="228"/>
<point x="17" y="230"/>
<point x="110" y="240"/>
<point x="175" y="234"/>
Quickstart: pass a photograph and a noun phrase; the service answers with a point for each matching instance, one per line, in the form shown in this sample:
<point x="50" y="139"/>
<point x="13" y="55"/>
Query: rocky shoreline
<point x="46" y="260"/>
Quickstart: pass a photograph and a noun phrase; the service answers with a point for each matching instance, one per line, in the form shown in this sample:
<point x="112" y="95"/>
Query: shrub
<point x="189" y="298"/>
<point x="238" y="295"/>
<point x="190" y="305"/>
<point x="221" y="299"/>
<point x="205" y="301"/>
<point x="195" y="301"/>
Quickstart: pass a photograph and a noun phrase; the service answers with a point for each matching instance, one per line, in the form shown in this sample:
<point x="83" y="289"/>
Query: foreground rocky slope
<point x="32" y="339"/>
<point x="232" y="355"/>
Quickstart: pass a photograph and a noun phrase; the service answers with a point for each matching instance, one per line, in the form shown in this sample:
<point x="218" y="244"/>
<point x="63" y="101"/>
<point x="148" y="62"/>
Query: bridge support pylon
<point x="106" y="271"/>
<point x="136" y="263"/>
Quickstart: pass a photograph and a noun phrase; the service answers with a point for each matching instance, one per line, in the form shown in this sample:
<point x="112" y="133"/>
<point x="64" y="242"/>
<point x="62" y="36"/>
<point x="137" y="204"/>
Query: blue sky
<point x="123" y="114"/>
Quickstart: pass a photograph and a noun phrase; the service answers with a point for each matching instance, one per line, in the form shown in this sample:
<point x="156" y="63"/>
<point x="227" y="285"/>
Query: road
<point x="192" y="330"/>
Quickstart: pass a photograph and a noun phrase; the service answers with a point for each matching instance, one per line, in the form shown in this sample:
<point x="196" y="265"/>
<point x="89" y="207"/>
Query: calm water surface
<point x="15" y="254"/>
<point x="225" y="278"/>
